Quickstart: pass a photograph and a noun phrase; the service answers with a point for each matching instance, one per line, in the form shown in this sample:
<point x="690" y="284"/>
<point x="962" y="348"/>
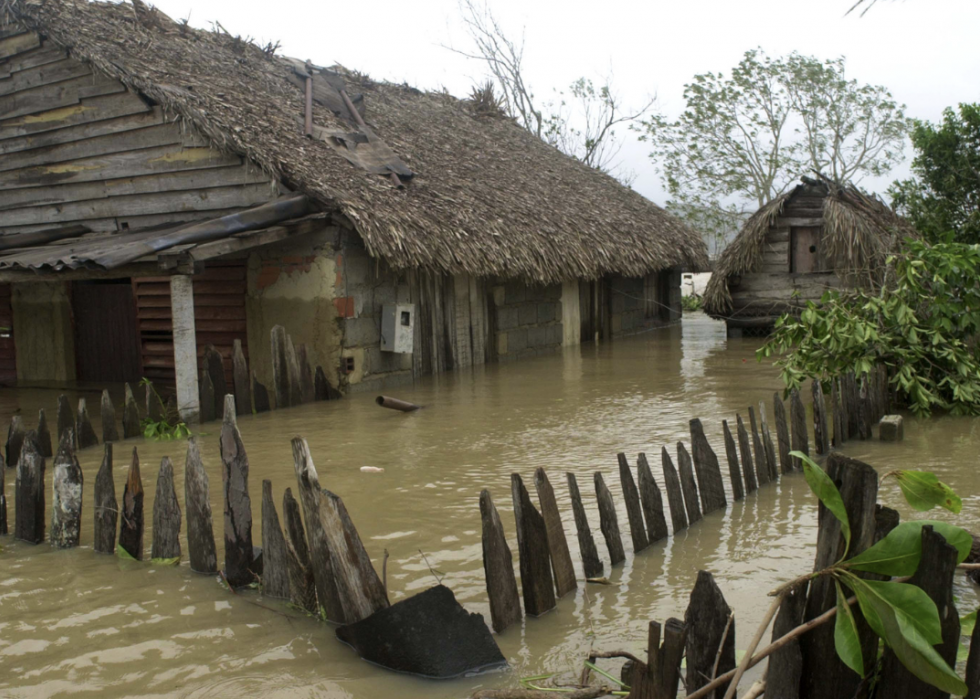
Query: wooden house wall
<point x="77" y="147"/>
<point x="767" y="292"/>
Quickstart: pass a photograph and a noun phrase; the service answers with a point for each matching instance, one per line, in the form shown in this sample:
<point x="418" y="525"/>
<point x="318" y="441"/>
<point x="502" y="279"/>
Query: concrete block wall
<point x="528" y="319"/>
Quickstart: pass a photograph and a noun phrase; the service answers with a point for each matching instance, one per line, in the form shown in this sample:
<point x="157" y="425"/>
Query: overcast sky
<point x="925" y="51"/>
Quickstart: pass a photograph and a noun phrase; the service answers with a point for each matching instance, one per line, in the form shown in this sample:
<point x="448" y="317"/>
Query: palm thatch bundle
<point x="488" y="197"/>
<point x="859" y="232"/>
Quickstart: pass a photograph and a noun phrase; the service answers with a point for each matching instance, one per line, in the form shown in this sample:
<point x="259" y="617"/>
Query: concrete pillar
<point x="185" y="347"/>
<point x="571" y="314"/>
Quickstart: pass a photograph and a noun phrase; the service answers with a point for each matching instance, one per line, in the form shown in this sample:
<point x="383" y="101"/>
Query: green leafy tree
<point x="944" y="194"/>
<point x="924" y="325"/>
<point x="745" y="138"/>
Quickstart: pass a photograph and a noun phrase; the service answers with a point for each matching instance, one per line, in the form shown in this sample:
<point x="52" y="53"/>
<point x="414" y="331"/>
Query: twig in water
<point x="431" y="569"/>
<point x="721" y="646"/>
<point x="742" y="666"/>
<point x="384" y="573"/>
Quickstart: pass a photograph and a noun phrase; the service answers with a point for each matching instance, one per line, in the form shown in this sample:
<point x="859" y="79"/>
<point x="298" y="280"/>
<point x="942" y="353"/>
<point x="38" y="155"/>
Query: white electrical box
<point x="398" y="328"/>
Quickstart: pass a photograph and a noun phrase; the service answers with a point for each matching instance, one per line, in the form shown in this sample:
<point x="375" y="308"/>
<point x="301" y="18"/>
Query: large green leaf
<point x="827" y="492"/>
<point x="898" y="554"/>
<point x="846" y="639"/>
<point x="900" y="618"/>
<point x="924" y="491"/>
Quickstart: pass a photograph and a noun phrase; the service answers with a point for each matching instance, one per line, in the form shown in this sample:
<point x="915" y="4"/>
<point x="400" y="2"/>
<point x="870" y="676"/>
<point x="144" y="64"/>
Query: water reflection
<point x="73" y="622"/>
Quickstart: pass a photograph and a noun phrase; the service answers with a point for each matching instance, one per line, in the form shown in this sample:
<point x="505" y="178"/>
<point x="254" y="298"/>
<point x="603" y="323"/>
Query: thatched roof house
<point x="156" y="178"/>
<point x="487" y="197"/>
<point x="818" y="236"/>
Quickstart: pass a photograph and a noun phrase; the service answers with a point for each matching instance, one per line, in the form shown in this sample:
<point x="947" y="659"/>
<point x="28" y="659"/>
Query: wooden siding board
<point x="39" y="56"/>
<point x="63" y="94"/>
<point x="93" y="109"/>
<point x="125" y="115"/>
<point x="18" y="43"/>
<point x="47" y="74"/>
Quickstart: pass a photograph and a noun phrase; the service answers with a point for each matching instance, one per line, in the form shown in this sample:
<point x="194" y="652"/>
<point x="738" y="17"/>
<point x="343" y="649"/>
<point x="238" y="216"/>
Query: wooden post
<point x="688" y="485"/>
<point x="659" y="677"/>
<point x="66" y="418"/>
<point x="306" y="385"/>
<point x="322" y="390"/>
<point x="634" y="513"/>
<point x="532" y="545"/>
<point x="561" y="559"/>
<point x="3" y="498"/>
<point x="155" y="409"/>
<point x="745" y="449"/>
<point x="712" y="487"/>
<point x="652" y="500"/>
<point x="166" y="515"/>
<point x="238" y="504"/>
<point x="883" y="386"/>
<point x="208" y="412"/>
<point x="767" y="444"/>
<point x="710" y="635"/>
<point x="260" y="395"/>
<point x="29" y="514"/>
<point x="84" y="433"/>
<point x="675" y="498"/>
<point x="758" y="452"/>
<point x="43" y="437"/>
<point x="243" y="393"/>
<point x="108" y="411"/>
<point x="302" y="586"/>
<point x="106" y="506"/>
<point x="214" y="367"/>
<point x="864" y="409"/>
<point x="801" y="440"/>
<point x="609" y="522"/>
<point x="821" y="437"/>
<point x="131" y="416"/>
<point x="275" y="575"/>
<point x="850" y="398"/>
<point x="185" y="348"/>
<point x="937" y="566"/>
<point x="838" y="415"/>
<point x="786" y="664"/>
<point x="824" y="675"/>
<point x="734" y="471"/>
<point x="131" y="525"/>
<point x="498" y="568"/>
<point x="280" y="367"/>
<point x="293" y="373"/>
<point x="197" y="503"/>
<point x="590" y="554"/>
<point x="15" y="440"/>
<point x="337" y="548"/>
<point x="973" y="665"/>
<point x="66" y="500"/>
<point x="782" y="433"/>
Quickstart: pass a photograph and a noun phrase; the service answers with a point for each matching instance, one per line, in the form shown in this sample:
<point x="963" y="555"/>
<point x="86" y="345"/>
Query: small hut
<point x="821" y="235"/>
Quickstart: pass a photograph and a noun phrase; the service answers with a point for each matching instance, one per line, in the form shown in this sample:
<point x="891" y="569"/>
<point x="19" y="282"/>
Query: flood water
<point x="81" y="624"/>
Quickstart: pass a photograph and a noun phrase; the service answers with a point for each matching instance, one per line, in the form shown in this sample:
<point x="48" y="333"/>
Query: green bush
<point x="693" y="302"/>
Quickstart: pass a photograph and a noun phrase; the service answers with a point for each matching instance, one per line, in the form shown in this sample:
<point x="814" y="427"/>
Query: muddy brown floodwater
<point x="81" y="624"/>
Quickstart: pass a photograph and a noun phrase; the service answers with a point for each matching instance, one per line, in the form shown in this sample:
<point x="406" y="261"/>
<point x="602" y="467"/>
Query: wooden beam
<point x="185" y="347"/>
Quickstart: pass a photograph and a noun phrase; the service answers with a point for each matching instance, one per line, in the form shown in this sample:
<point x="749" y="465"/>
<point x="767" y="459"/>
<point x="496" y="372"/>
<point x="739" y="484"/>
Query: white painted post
<point x="185" y="347"/>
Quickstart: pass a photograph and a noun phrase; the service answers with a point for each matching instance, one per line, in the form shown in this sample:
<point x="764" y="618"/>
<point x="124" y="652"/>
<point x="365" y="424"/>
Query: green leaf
<point x="923" y="491"/>
<point x="846" y="639"/>
<point x="123" y="553"/>
<point x="827" y="492"/>
<point x="165" y="561"/>
<point x="899" y="616"/>
<point x="967" y="623"/>
<point x="898" y="554"/>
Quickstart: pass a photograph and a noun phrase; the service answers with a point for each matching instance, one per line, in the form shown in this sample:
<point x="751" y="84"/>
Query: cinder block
<point x="553" y="292"/>
<point x="529" y="314"/>
<point x="508" y="317"/>
<point x="534" y="293"/>
<point x="891" y="428"/>
<point x="516" y="340"/>
<point x="547" y="312"/>
<point x="539" y="336"/>
<point x="514" y="292"/>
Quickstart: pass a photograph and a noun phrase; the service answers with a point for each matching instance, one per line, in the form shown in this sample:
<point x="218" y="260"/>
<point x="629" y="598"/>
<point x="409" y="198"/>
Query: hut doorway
<point x="804" y="250"/>
<point x="106" y="337"/>
<point x="595" y="298"/>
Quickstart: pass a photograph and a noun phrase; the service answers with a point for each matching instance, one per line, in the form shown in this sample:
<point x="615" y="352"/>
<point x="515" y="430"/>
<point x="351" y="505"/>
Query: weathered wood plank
<point x="3" y="498"/>
<point x="498" y="568"/>
<point x="131" y="415"/>
<point x="652" y="501"/>
<point x="840" y="420"/>
<point x="711" y="486"/>
<point x="237" y="503"/>
<point x="66" y="418"/>
<point x="131" y="524"/>
<point x="591" y="562"/>
<point x="782" y="433"/>
<point x="42" y="55"/>
<point x="734" y="470"/>
<point x="824" y="675"/>
<point x="29" y="513"/>
<point x="767" y="444"/>
<point x="748" y="466"/>
<point x="197" y="502"/>
<point x="296" y="394"/>
<point x="786" y="664"/>
<point x="84" y="432"/>
<point x="64" y="94"/>
<point x="561" y="559"/>
<point x="18" y="43"/>
<point x="659" y="677"/>
<point x="758" y="452"/>
<point x="675" y="497"/>
<point x="337" y="549"/>
<point x="302" y="586"/>
<point x="166" y="515"/>
<point x="634" y="512"/>
<point x="609" y="521"/>
<point x="864" y="409"/>
<point x="15" y="440"/>
<point x="306" y="386"/>
<point x="973" y="665"/>
<point x="92" y="111"/>
<point x="106" y="506"/>
<point x="532" y="543"/>
<point x="710" y="627"/>
<point x="275" y="573"/>
<point x="208" y="398"/>
<point x="821" y="437"/>
<point x="108" y="411"/>
<point x="243" y="395"/>
<point x="801" y="439"/>
<point x="689" y="486"/>
<point x="261" y="396"/>
<point x="46" y="74"/>
<point x="849" y="396"/>
<point x="66" y="500"/>
<point x="280" y="368"/>
<point x="214" y="366"/>
<point x="43" y="436"/>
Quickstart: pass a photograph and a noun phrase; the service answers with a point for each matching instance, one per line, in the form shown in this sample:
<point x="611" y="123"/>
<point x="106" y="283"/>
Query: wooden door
<point x="804" y="250"/>
<point x="106" y="337"/>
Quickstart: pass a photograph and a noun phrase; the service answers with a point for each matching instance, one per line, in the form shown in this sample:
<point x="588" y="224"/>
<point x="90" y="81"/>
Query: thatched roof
<point x="859" y="231"/>
<point x="488" y="198"/>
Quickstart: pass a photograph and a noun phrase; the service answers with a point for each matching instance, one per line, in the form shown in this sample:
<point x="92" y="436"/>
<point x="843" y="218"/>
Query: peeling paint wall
<point x="43" y="334"/>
